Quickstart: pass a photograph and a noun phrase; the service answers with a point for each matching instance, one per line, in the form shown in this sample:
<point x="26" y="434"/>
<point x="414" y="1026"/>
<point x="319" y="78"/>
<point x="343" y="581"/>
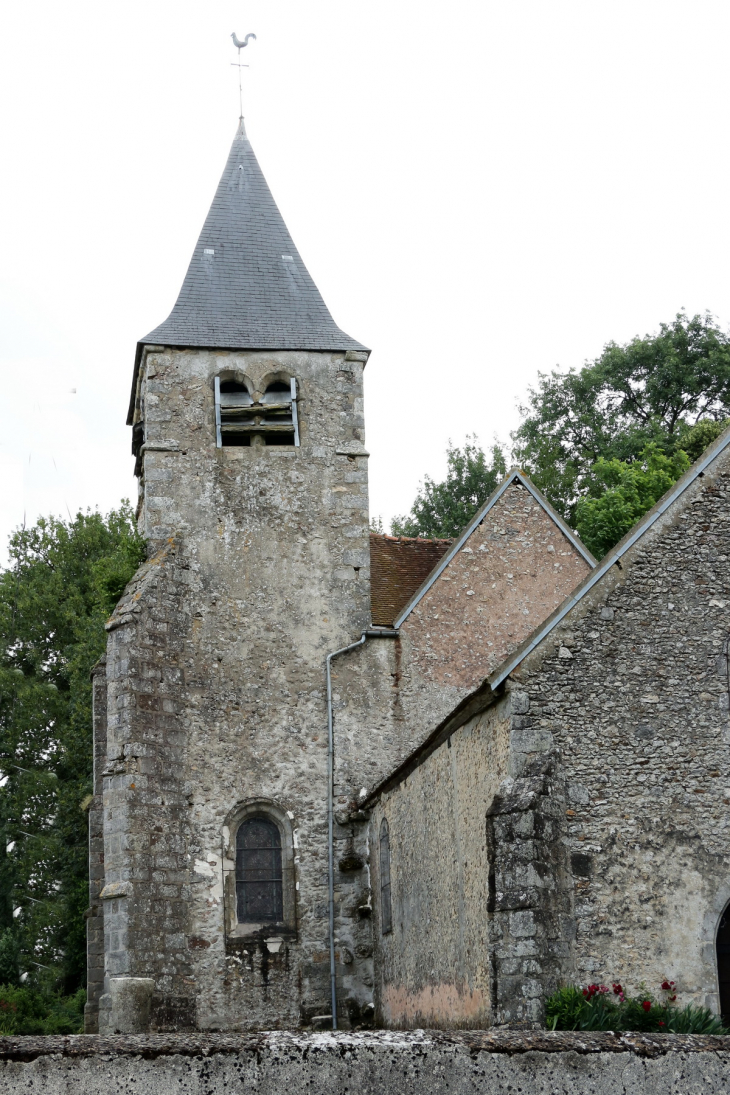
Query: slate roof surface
<point x="246" y="286"/>
<point x="398" y="567"/>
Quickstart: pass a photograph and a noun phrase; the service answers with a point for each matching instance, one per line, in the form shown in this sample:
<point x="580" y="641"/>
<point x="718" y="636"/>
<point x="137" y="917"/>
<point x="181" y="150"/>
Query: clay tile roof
<point x="398" y="566"/>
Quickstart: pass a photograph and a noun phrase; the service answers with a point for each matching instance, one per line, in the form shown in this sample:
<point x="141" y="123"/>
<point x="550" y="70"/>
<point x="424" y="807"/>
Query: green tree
<point x="9" y="958"/>
<point x="651" y="390"/>
<point x="443" y="509"/>
<point x="694" y="441"/>
<point x="622" y="492"/>
<point x="62" y="583"/>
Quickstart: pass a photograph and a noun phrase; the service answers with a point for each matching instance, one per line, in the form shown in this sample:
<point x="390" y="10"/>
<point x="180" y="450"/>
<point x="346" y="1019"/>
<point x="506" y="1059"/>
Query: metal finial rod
<point x="239" y="46"/>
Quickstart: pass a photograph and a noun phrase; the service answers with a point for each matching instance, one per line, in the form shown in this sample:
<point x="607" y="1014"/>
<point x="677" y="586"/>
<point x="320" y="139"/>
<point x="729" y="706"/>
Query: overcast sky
<point x="481" y="190"/>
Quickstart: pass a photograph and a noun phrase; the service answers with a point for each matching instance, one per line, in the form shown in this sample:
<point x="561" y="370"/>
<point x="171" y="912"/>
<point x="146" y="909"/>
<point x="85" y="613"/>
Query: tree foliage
<point x="652" y="390"/>
<point x="443" y="509"/>
<point x="62" y="583"/>
<point x="622" y="493"/>
<point x="604" y="443"/>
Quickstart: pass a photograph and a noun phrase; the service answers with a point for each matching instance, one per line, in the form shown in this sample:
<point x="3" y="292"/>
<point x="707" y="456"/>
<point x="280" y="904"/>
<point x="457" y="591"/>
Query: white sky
<point x="481" y="190"/>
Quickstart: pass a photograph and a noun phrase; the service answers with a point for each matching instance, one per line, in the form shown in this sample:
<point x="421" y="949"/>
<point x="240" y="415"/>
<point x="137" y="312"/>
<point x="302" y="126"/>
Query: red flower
<point x="617" y="988"/>
<point x="665" y="985"/>
<point x="673" y="998"/>
<point x="646" y="1005"/>
<point x="661" y="1022"/>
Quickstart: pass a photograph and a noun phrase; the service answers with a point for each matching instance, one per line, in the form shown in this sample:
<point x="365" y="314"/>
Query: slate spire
<point x="246" y="286"/>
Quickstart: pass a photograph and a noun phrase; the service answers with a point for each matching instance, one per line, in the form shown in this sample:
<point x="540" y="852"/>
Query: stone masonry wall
<point x="145" y="805"/>
<point x="433" y="968"/>
<point x="389" y="694"/>
<point x="632" y="690"/>
<point x="513" y="571"/>
<point x="216" y="691"/>
<point x="608" y="844"/>
<point x="530" y="914"/>
<point x="482" y="917"/>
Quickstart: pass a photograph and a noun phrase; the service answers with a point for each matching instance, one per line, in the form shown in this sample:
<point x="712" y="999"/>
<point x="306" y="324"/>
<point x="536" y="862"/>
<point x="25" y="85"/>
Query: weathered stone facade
<point x="633" y="692"/>
<point x="216" y="685"/>
<point x="211" y="708"/>
<point x="564" y="819"/>
<point x="607" y="845"/>
<point x="511" y="569"/>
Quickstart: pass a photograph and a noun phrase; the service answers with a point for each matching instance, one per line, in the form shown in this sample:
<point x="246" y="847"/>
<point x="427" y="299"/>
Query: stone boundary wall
<point x="396" y="1062"/>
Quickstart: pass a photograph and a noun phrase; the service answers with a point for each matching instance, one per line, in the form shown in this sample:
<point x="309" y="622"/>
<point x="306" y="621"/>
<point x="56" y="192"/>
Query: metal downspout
<point x="373" y="634"/>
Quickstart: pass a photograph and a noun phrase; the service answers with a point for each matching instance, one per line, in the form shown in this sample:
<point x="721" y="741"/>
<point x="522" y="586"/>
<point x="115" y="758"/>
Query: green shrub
<point x="599" y="1008"/>
<point x="28" y="1011"/>
<point x="564" y="1009"/>
<point x="694" y="1020"/>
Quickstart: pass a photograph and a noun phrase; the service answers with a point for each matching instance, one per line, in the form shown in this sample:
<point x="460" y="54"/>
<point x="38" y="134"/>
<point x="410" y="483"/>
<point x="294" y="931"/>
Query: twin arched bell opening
<point x="243" y="420"/>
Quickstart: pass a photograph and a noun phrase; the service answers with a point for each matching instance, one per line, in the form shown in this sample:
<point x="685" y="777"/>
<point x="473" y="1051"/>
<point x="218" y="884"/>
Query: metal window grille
<point x="259" y="879"/>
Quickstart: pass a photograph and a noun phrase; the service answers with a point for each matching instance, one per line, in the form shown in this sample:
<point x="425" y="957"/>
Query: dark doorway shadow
<point x="723" y="964"/>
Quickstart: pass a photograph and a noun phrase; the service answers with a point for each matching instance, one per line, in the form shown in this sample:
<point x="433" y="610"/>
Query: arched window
<point x="386" y="912"/>
<point x="259" y="876"/>
<point x="271" y="418"/>
<point x="723" y="964"/>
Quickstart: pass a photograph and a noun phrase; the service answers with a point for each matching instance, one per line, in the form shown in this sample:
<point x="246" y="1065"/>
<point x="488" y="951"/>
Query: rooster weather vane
<point x="237" y="64"/>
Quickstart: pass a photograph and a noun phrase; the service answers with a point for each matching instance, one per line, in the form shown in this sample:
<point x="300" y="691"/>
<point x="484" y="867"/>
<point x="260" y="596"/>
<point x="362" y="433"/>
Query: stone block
<point x="131" y="1004"/>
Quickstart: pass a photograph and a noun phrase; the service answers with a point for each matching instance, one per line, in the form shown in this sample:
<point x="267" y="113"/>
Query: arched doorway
<point x="723" y="964"/>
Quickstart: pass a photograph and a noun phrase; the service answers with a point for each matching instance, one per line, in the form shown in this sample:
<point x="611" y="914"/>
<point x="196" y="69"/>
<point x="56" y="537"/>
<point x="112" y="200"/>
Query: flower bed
<point x="598" y="1007"/>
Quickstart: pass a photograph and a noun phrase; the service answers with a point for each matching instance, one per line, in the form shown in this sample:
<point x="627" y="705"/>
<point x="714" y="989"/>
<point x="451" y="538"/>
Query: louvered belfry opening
<point x="259" y="879"/>
<point x="243" y="419"/>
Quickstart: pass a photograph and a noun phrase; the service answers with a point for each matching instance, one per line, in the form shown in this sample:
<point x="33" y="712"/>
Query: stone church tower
<point x="209" y="831"/>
